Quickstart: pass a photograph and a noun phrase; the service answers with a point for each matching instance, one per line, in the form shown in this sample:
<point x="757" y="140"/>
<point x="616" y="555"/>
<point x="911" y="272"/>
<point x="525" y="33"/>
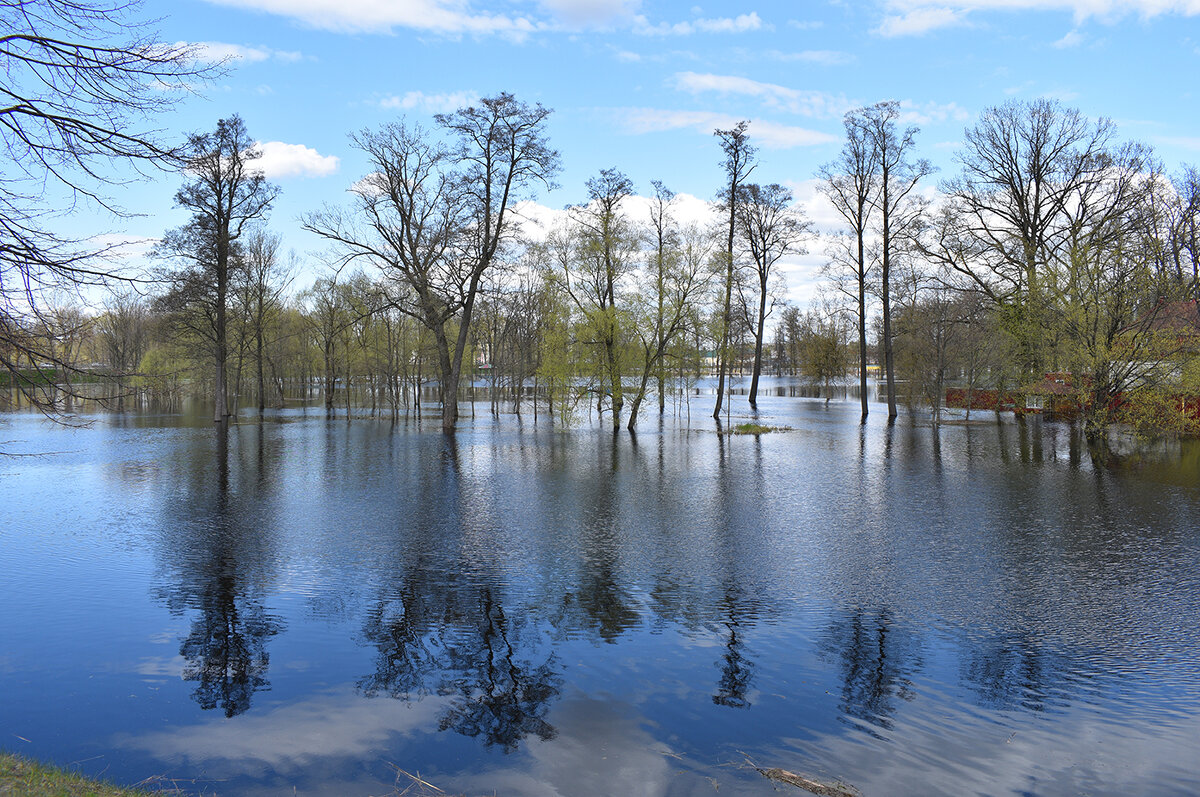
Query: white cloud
<point x="931" y="112"/>
<point x="369" y="185"/>
<point x="805" y="103"/>
<point x="381" y="16"/>
<point x="216" y="52"/>
<point x="1183" y="142"/>
<point x="1063" y="752"/>
<point x="591" y="13"/>
<point x="738" y="24"/>
<point x="769" y="134"/>
<point x="816" y="206"/>
<point x="743" y="23"/>
<point x="918" y="21"/>
<point x="538" y="220"/>
<point x="914" y="17"/>
<point x="293" y="735"/>
<point x="457" y="17"/>
<point x="634" y="761"/>
<point x="294" y="160"/>
<point x="822" y="57"/>
<point x="1072" y="39"/>
<point x="430" y="103"/>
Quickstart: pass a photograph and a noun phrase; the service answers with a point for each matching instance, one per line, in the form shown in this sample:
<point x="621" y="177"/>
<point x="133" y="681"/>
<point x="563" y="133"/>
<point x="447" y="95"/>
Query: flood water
<point x="315" y="606"/>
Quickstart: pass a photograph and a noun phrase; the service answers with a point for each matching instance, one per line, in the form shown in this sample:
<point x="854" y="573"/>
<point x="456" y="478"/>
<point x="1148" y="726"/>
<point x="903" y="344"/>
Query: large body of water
<point x="314" y="605"/>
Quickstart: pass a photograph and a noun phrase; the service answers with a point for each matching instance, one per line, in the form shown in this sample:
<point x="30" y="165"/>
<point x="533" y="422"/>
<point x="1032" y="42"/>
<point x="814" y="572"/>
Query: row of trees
<point x="1056" y="239"/>
<point x="1065" y="246"/>
<point x="545" y="328"/>
<point x="433" y="233"/>
<point x="621" y="305"/>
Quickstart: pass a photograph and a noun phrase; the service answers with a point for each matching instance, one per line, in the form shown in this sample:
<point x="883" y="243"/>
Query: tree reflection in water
<point x="460" y="642"/>
<point x="601" y="600"/>
<point x="1011" y="671"/>
<point x="220" y="558"/>
<point x="501" y="698"/>
<point x="226" y="650"/>
<point x="877" y="658"/>
<point x="440" y="632"/>
<point x="737" y="671"/>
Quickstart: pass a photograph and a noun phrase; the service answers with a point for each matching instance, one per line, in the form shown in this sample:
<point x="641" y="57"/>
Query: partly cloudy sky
<point x="640" y="84"/>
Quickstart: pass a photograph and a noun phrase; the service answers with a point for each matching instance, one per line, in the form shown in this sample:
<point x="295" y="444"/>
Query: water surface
<point x="312" y="604"/>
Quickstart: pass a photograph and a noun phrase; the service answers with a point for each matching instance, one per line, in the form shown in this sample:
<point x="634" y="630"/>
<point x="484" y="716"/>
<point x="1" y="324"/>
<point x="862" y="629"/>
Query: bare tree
<point x="898" y="175"/>
<point x="226" y="195"/>
<point x="122" y="336"/>
<point x="409" y="218"/>
<point x="852" y="183"/>
<point x="596" y="257"/>
<point x="267" y="277"/>
<point x="685" y="275"/>
<point x="1185" y="230"/>
<point x="122" y="331"/>
<point x="502" y="148"/>
<point x="664" y="230"/>
<point x="329" y="316"/>
<point x="436" y="218"/>
<point x="770" y="229"/>
<point x="80" y="80"/>
<point x="738" y="164"/>
<point x="1005" y="225"/>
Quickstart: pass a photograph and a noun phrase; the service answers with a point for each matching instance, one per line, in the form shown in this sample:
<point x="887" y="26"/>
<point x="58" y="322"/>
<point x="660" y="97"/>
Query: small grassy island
<point x="756" y="428"/>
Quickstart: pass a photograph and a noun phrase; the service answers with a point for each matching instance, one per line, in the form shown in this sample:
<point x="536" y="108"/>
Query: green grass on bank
<point x="20" y="777"/>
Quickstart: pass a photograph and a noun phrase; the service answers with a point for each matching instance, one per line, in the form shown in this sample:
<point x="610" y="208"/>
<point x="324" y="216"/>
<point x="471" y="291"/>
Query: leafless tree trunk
<point x="898" y="176"/>
<point x="738" y="164"/>
<point x="770" y="229"/>
<point x="851" y="183"/>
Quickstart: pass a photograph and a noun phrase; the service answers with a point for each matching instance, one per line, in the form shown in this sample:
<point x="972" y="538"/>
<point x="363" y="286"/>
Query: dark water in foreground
<point x="311" y="604"/>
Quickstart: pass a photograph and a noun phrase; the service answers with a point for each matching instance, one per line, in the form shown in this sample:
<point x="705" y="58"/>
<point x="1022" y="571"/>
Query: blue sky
<point x="640" y="84"/>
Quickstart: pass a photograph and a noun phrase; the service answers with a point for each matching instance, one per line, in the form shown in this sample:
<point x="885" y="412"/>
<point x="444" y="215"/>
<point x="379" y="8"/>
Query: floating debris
<point x="823" y="788"/>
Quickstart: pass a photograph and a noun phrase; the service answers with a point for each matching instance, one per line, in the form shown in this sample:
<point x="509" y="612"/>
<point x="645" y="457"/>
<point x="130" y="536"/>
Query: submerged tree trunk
<point x="448" y="376"/>
<point x="726" y="325"/>
<point x="258" y="358"/>
<point x="330" y="376"/>
<point x="888" y="356"/>
<point x="862" y="329"/>
<point x="220" y="408"/>
<point x="885" y="292"/>
<point x="758" y="345"/>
